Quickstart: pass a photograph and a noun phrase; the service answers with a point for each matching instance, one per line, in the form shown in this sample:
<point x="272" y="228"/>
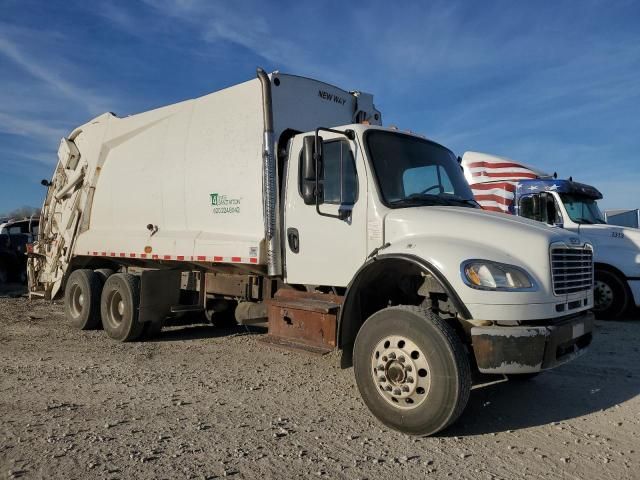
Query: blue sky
<point x="551" y="83"/>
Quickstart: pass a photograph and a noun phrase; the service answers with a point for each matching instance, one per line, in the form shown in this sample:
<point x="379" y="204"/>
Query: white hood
<point x="448" y="236"/>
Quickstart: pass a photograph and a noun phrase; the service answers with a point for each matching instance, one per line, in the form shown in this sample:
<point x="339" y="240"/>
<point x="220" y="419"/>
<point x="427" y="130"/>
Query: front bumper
<point x="528" y="349"/>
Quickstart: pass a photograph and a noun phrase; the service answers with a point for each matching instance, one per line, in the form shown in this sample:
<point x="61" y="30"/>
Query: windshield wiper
<point x="464" y="201"/>
<point x="419" y="199"/>
<point x="429" y="199"/>
<point x="584" y="220"/>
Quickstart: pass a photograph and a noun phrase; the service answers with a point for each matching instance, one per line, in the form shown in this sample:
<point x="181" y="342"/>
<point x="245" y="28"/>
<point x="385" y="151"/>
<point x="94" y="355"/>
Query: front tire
<point x="611" y="297"/>
<point x="412" y="370"/>
<point x="119" y="307"/>
<point x="82" y="299"/>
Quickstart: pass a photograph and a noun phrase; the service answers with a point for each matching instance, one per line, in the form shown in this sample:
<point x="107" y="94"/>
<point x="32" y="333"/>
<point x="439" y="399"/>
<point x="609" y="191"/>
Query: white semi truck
<point x="507" y="185"/>
<point x="284" y="197"/>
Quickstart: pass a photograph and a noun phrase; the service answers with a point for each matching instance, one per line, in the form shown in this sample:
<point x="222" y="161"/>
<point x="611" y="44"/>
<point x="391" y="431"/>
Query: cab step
<point x="303" y="320"/>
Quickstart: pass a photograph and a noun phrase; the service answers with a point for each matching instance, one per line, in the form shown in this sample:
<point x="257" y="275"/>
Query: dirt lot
<point x="201" y="402"/>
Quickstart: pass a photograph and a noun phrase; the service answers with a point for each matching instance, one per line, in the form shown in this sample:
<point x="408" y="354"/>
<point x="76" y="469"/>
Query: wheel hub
<point x="116" y="308"/>
<point x="395" y="373"/>
<point x="400" y="371"/>
<point x="77" y="301"/>
<point x="603" y="294"/>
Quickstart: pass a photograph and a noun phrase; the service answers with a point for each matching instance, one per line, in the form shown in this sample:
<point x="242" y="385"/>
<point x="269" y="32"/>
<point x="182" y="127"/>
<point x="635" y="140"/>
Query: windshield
<point x="412" y="171"/>
<point x="582" y="209"/>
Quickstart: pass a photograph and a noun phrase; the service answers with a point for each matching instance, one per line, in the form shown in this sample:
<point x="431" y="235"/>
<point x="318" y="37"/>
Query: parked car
<point x="14" y="237"/>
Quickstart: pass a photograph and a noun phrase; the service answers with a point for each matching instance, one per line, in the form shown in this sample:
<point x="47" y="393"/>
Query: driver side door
<point x="322" y="249"/>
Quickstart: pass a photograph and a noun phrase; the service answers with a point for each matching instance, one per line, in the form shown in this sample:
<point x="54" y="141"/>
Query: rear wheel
<point x="611" y="297"/>
<point x="104" y="273"/>
<point x="4" y="274"/>
<point x="152" y="329"/>
<point x="412" y="370"/>
<point x="523" y="377"/>
<point x="119" y="307"/>
<point x="82" y="299"/>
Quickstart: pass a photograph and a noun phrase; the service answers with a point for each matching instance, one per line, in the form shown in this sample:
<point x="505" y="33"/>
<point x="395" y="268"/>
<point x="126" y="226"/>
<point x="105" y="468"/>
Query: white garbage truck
<point x="283" y="198"/>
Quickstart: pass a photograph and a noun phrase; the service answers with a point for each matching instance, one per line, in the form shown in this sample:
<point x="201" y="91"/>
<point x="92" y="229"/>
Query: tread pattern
<point x="93" y="286"/>
<point x="131" y="289"/>
<point x="460" y="356"/>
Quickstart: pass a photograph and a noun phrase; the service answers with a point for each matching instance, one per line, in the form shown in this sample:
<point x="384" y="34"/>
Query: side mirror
<point x="312" y="170"/>
<point x="535" y="204"/>
<point x="553" y="218"/>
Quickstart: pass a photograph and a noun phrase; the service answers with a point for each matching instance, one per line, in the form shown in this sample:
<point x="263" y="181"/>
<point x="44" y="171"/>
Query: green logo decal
<point x="224" y="203"/>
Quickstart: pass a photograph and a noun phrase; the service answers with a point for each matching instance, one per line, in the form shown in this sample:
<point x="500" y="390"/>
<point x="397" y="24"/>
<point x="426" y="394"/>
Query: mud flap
<point x="159" y="291"/>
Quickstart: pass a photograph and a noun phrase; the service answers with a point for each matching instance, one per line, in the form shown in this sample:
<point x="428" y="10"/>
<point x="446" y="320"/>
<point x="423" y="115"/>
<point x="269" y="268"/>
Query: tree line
<point x="21" y="212"/>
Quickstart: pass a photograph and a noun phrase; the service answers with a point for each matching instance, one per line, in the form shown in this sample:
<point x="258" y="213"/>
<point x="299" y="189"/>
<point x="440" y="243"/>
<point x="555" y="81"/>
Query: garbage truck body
<point x="284" y="199"/>
<point x="506" y="185"/>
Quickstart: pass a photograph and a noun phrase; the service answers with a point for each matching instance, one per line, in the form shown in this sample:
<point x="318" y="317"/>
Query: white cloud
<point x="49" y="77"/>
<point x="15" y="125"/>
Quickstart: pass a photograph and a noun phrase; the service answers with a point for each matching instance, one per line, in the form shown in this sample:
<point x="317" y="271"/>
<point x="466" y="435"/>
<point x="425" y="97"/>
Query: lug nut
<point x="405" y="388"/>
<point x="384" y="359"/>
<point x="408" y="368"/>
<point x="397" y="391"/>
<point x="382" y="378"/>
<point x="388" y="388"/>
<point x="401" y="359"/>
<point x="409" y="379"/>
<point x="380" y="367"/>
<point x="392" y="355"/>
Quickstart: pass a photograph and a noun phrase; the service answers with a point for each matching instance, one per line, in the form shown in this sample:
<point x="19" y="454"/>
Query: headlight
<point x="488" y="275"/>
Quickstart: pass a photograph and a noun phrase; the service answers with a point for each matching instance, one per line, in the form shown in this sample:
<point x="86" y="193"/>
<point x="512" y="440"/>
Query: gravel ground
<point x="201" y="402"/>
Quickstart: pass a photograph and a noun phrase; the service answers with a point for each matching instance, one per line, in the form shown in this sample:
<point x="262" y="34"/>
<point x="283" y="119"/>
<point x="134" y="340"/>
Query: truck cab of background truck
<point x="574" y="206"/>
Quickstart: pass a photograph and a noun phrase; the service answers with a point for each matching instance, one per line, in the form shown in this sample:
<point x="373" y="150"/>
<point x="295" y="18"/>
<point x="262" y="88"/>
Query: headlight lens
<point x="485" y="274"/>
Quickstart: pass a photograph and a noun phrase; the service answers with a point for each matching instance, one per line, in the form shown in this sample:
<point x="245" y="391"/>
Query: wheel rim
<point x="77" y="301"/>
<point x="603" y="294"/>
<point x="400" y="371"/>
<point x="116" y="308"/>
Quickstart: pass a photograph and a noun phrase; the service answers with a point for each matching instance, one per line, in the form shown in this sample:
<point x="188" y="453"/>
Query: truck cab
<point x="574" y="206"/>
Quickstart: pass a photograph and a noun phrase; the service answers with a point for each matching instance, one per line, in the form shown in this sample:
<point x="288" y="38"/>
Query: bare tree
<point x="22" y="212"/>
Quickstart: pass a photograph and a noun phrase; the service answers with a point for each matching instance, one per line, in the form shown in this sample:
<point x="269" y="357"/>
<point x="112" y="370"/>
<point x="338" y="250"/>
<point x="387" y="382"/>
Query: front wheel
<point x="412" y="370"/>
<point x="611" y="297"/>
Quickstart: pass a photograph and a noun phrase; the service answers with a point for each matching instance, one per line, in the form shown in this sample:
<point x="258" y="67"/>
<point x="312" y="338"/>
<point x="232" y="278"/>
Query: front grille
<point x="571" y="269"/>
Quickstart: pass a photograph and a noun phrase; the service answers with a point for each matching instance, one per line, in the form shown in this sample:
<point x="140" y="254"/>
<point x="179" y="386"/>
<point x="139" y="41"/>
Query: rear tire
<point x="152" y="329"/>
<point x="104" y="273"/>
<point x="412" y="370"/>
<point x="82" y="299"/>
<point x="611" y="296"/>
<point x="119" y="307"/>
<point x="4" y="274"/>
<point x="523" y="377"/>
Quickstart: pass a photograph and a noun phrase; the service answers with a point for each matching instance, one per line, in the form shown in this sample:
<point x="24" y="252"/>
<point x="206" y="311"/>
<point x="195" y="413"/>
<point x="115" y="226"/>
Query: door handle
<point x="293" y="239"/>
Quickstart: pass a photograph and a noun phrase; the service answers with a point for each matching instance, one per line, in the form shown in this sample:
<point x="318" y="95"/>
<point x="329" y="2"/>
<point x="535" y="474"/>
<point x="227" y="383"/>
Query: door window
<point x="540" y="207"/>
<point x="338" y="178"/>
